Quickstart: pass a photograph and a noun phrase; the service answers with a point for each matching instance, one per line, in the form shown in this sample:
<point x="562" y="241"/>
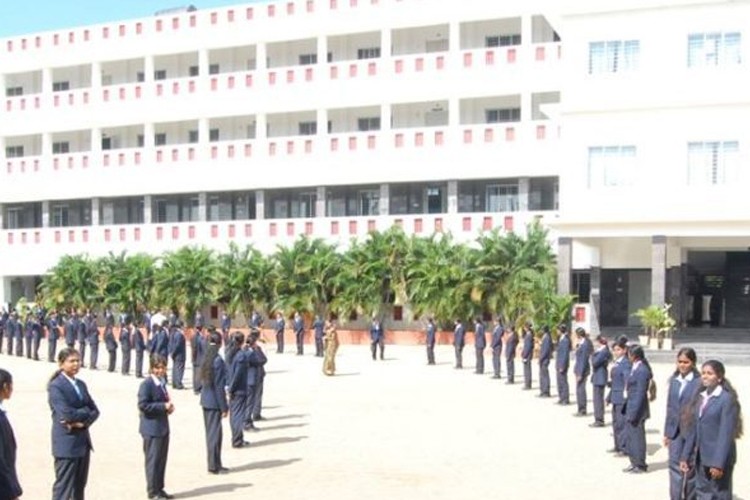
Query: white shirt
<point x="2" y="407"/>
<point x="706" y="396"/>
<point x="684" y="381"/>
<point x="74" y="384"/>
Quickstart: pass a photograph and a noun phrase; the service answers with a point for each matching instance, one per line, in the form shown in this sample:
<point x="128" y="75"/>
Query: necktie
<point x="78" y="390"/>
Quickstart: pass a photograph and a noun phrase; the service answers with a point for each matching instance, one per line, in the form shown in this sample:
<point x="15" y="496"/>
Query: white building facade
<point x="262" y="122"/>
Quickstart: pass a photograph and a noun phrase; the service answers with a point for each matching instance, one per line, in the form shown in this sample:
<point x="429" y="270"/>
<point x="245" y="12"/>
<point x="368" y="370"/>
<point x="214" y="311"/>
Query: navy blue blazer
<point x="582" y="367"/>
<point x="109" y="339"/>
<point x="177" y="347"/>
<point x="376" y="332"/>
<point x="497" y="338"/>
<point x="9" y="485"/>
<point x="563" y="353"/>
<point x="161" y="343"/>
<point x="528" y="346"/>
<point x="138" y="342"/>
<point x="480" y="339"/>
<point x="71" y="330"/>
<point x="299" y="325"/>
<point x="226" y="322"/>
<point x="676" y="402"/>
<point x="619" y="377"/>
<point x="318" y="327"/>
<point x="545" y="349"/>
<point x="196" y="348"/>
<point x="431" y="333"/>
<point x="213" y="395"/>
<point x="125" y="338"/>
<point x="459" y="335"/>
<point x="511" y="343"/>
<point x="238" y="373"/>
<point x="53" y="330"/>
<point x="92" y="331"/>
<point x="280" y="323"/>
<point x="599" y="362"/>
<point x="152" y="405"/>
<point x="255" y="358"/>
<point x="636" y="402"/>
<point x="67" y="406"/>
<point x="713" y="435"/>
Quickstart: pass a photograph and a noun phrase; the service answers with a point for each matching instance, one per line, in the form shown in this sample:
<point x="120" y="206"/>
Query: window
<point x="13" y="91"/>
<point x="213" y="135"/>
<point x="60" y="86"/>
<point x="308" y="128"/>
<point x="714" y="49"/>
<point x="106" y="143"/>
<point x="60" y="216"/>
<point x="502" y="115"/>
<point x="581" y="286"/>
<point x="13" y="151"/>
<point x="502" y="198"/>
<point x="305" y="59"/>
<point x="192" y="136"/>
<point x="713" y="163"/>
<point x="140" y="77"/>
<point x="614" y="56"/>
<point x="366" y="124"/>
<point x="502" y="40"/>
<point x="611" y="166"/>
<point x="61" y="147"/>
<point x="193" y="71"/>
<point x="160" y="139"/>
<point x="160" y="74"/>
<point x="368" y="53"/>
<point x="213" y="69"/>
<point x="140" y="140"/>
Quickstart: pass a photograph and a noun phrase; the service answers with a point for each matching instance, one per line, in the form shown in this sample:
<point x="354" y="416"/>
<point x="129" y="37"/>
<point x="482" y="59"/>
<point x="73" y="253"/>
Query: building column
<point x="45" y="213"/>
<point x="386" y="116"/>
<point x="147" y="209"/>
<point x="260" y="204"/>
<point x="452" y="197"/>
<point x="322" y="49"/>
<point x="454" y="113"/>
<point x="595" y="300"/>
<point x="5" y="291"/>
<point x="523" y="194"/>
<point x="261" y="127"/>
<point x="203" y="62"/>
<point x="3" y="144"/>
<point x="148" y="135"/>
<point x="527" y="30"/>
<point x="320" y="202"/>
<point x="564" y="264"/>
<point x="261" y="57"/>
<point x="385" y="199"/>
<point x="46" y="144"/>
<point x="96" y="141"/>
<point x="454" y="39"/>
<point x="95" y="204"/>
<point x="322" y="120"/>
<point x="658" y="269"/>
<point x="96" y="75"/>
<point x="386" y="48"/>
<point x="527" y="107"/>
<point x="46" y="80"/>
<point x="202" y="206"/>
<point x="148" y="69"/>
<point x="2" y="216"/>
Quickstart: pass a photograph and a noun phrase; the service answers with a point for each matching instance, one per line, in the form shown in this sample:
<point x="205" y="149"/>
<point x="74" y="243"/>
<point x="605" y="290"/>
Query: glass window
<point x="368" y="53"/>
<point x="713" y="163"/>
<point x="308" y="128"/>
<point x="501" y="198"/>
<point x="714" y="49"/>
<point x="613" y="56"/>
<point x="305" y="59"/>
<point x="61" y="147"/>
<point x="13" y="151"/>
<point x="503" y="115"/>
<point x="367" y="124"/>
<point x="612" y="166"/>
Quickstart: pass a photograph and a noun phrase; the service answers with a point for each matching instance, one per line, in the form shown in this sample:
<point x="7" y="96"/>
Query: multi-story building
<point x="261" y="122"/>
<point x="653" y="198"/>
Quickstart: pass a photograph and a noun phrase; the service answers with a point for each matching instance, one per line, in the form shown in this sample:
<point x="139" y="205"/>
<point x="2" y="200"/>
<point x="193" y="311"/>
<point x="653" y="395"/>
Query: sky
<point x="19" y="17"/>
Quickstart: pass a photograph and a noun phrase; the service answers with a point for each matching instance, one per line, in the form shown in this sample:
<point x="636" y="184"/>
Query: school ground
<point x="395" y="429"/>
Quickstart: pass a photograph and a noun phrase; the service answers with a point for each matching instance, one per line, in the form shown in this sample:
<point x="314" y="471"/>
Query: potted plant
<point x="657" y="325"/>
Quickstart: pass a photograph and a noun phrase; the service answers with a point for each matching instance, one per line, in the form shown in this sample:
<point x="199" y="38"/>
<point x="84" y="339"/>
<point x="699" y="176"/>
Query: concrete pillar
<point x="46" y="80"/>
<point x="323" y="49"/>
<point x="322" y="120"/>
<point x="260" y="204"/>
<point x="95" y="204"/>
<point x="45" y="213"/>
<point x="261" y="57"/>
<point x="202" y="206"/>
<point x="5" y="291"/>
<point x="386" y="49"/>
<point x="523" y="194"/>
<point x="385" y="199"/>
<point x="527" y="30"/>
<point x="454" y="38"/>
<point x="147" y="209"/>
<point x="658" y="269"/>
<point x="46" y="144"/>
<point x="452" y="197"/>
<point x="96" y="75"/>
<point x="594" y="300"/>
<point x="386" y="116"/>
<point x="203" y="62"/>
<point x="526" y="107"/>
<point x="320" y="202"/>
<point x="148" y="135"/>
<point x="261" y="128"/>
<point x="96" y="140"/>
<point x="2" y="146"/>
<point x="564" y="264"/>
<point x="2" y="216"/>
<point x="204" y="133"/>
<point x="454" y="112"/>
<point x="148" y="69"/>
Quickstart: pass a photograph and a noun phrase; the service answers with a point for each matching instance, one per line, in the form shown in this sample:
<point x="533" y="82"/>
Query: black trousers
<point x="196" y="379"/>
<point x="581" y="394"/>
<point x="480" y="360"/>
<point x="258" y="399"/>
<point x="496" y="360"/>
<point x="125" y="369"/>
<point x="375" y="344"/>
<point x="112" y="360"/>
<point x="19" y="346"/>
<point x="300" y="337"/>
<point x="319" y="347"/>
<point x="527" y="373"/>
<point x="459" y="355"/>
<point x="155" y="450"/>
<point x="510" y="367"/>
<point x="82" y="352"/>
<point x="71" y="476"/>
<point x="94" y="355"/>
<point x="707" y="488"/>
<point x="636" y="433"/>
<point x="563" y="389"/>
<point x="138" y="362"/>
<point x="618" y="428"/>
<point x="212" y="424"/>
<point x="10" y="344"/>
<point x="51" y="350"/>
<point x="599" y="403"/>
<point x="237" y="417"/>
<point x="27" y="339"/>
<point x="2" y="336"/>
<point x="431" y="353"/>
<point x="280" y="342"/>
<point x="178" y="371"/>
<point x="248" y="406"/>
<point x="36" y="342"/>
<point x="544" y="381"/>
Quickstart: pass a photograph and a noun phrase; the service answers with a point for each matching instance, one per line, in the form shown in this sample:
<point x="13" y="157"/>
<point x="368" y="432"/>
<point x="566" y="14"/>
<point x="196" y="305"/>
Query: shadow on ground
<point x="210" y="490"/>
<point x="265" y="464"/>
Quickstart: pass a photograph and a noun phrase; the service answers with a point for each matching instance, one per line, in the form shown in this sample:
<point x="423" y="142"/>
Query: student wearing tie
<point x="155" y="406"/>
<point x="637" y="409"/>
<point x="214" y="402"/>
<point x="9" y="486"/>
<point x="562" y="364"/>
<point x="616" y="397"/>
<point x="599" y="361"/>
<point x="684" y="383"/>
<point x="715" y="423"/>
<point x="73" y="412"/>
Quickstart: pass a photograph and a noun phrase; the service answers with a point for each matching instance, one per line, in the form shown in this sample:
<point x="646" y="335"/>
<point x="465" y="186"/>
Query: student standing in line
<point x="126" y="344"/>
<point x="279" y="328"/>
<point x="155" y="406"/>
<point x="480" y="342"/>
<point x="562" y="363"/>
<point x="299" y="333"/>
<point x="496" y="344"/>
<point x="237" y="387"/>
<point x="618" y="378"/>
<point x="318" y="327"/>
<point x="511" y="344"/>
<point x="138" y="343"/>
<point x="715" y="421"/>
<point x="430" y="341"/>
<point x="10" y="488"/>
<point x="214" y="402"/>
<point x="73" y="412"/>
<point x="527" y="353"/>
<point x="53" y="334"/>
<point x="545" y="355"/>
<point x="331" y="346"/>
<point x="377" y="338"/>
<point x="684" y="383"/>
<point x="111" y="345"/>
<point x="599" y="361"/>
<point x="637" y="409"/>
<point x="178" y="352"/>
<point x="255" y="359"/>
<point x="581" y="369"/>
<point x="459" y="339"/>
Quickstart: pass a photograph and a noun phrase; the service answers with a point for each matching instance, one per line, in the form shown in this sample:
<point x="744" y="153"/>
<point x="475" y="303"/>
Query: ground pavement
<point x="395" y="429"/>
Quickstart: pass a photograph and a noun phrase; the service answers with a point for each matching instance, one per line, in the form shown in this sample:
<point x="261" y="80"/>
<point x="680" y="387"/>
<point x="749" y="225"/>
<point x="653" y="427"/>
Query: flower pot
<point x="667" y="344"/>
<point x="654" y="343"/>
<point x="643" y="340"/>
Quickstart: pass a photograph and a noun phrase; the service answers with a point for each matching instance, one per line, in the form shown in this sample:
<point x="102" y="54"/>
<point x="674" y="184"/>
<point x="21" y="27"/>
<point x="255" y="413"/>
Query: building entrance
<point x="718" y="289"/>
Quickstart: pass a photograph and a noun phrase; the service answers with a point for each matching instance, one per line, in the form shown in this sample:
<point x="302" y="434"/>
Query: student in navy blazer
<point x="562" y="363"/>
<point x="178" y="351"/>
<point x="299" y="334"/>
<point x="138" y="343"/>
<point x="582" y="369"/>
<point x="616" y="397"/>
<point x="480" y="343"/>
<point x="73" y="412"/>
<point x="684" y="383"/>
<point x="53" y="334"/>
<point x="214" y="402"/>
<point x="10" y="488"/>
<point x="545" y="356"/>
<point x="637" y="409"/>
<point x="430" y="341"/>
<point x="496" y="344"/>
<point x="599" y="362"/>
<point x="237" y="387"/>
<point x="155" y="406"/>
<point x="715" y="423"/>
<point x="377" y="338"/>
<point x="126" y="344"/>
<point x="459" y="340"/>
<point x="255" y="359"/>
<point x="511" y="343"/>
<point x="527" y="353"/>
<point x="110" y="343"/>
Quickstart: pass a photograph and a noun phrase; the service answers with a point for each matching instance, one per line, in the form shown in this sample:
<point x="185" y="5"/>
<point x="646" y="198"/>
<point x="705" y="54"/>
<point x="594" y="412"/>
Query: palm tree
<point x="243" y="280"/>
<point x="72" y="283"/>
<point x="185" y="281"/>
<point x="130" y="282"/>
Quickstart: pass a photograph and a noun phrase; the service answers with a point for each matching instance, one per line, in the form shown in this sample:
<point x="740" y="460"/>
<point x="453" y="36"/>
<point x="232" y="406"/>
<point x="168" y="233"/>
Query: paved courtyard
<point x="395" y="429"/>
